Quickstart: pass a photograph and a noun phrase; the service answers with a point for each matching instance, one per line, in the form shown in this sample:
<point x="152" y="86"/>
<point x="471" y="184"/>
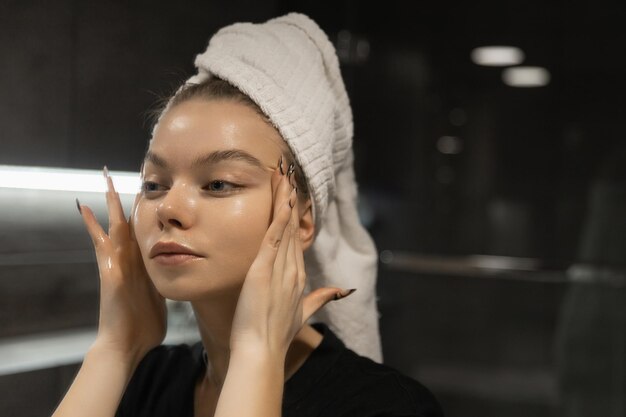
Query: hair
<point x="215" y="88"/>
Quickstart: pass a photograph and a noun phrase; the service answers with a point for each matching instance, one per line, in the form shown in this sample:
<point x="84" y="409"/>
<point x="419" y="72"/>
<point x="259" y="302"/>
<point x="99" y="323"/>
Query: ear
<point x="307" y="225"/>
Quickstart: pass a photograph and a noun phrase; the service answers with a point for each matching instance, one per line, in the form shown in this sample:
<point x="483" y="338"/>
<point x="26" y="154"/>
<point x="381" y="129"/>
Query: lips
<point x="171" y="248"/>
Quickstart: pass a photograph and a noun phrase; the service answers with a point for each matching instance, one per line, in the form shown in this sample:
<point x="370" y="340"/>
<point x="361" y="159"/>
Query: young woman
<point x="249" y="169"/>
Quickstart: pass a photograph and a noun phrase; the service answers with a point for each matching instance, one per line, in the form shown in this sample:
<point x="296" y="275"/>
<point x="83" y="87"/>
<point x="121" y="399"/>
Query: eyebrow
<point x="210" y="158"/>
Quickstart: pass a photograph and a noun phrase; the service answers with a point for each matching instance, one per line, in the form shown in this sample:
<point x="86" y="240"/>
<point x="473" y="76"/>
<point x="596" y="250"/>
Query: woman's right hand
<point x="133" y="315"/>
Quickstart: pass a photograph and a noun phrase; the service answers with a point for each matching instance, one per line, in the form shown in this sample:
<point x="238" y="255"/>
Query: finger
<point x="292" y="271"/>
<point x="285" y="249"/>
<point x="277" y="174"/>
<point x="116" y="211"/>
<point x="319" y="298"/>
<point x="96" y="233"/>
<point x="282" y="193"/>
<point x="300" y="262"/>
<point x="288" y="270"/>
<point x="272" y="239"/>
<point x="118" y="226"/>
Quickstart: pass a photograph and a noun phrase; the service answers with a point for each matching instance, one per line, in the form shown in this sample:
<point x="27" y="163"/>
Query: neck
<point x="214" y="319"/>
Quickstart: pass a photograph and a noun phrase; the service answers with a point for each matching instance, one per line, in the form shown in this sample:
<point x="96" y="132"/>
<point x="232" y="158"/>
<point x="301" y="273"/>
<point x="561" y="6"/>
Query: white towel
<point x="289" y="67"/>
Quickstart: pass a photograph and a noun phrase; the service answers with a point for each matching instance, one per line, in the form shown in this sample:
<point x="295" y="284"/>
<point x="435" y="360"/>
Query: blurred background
<point x="493" y="182"/>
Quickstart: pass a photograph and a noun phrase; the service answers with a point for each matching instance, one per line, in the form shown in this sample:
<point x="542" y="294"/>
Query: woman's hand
<point x="270" y="311"/>
<point x="271" y="308"/>
<point x="132" y="313"/>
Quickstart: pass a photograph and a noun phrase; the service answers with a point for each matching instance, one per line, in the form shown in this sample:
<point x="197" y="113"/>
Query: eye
<point x="220" y="186"/>
<point x="150" y="186"/>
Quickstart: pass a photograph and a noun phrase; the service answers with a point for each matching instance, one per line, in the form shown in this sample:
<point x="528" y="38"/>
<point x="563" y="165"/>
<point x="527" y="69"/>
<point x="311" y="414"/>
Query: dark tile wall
<point x="36" y="79"/>
<point x="483" y="345"/>
<point x="79" y="77"/>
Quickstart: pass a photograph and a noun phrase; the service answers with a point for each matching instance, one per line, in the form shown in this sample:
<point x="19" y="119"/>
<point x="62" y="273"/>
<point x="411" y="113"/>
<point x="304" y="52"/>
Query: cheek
<point x="231" y="228"/>
<point x="143" y="215"/>
<point x="242" y="223"/>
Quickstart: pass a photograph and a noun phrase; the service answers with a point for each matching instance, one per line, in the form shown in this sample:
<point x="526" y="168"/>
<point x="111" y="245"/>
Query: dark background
<point x="78" y="79"/>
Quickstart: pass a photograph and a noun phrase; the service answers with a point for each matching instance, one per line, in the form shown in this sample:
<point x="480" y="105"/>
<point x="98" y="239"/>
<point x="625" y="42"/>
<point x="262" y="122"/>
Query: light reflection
<point x="526" y="76"/>
<point x="449" y="145"/>
<point x="65" y="179"/>
<point x="497" y="55"/>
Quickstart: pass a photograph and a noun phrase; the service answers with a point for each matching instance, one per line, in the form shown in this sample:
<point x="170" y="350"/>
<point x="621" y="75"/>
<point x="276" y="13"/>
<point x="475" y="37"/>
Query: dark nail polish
<point x="291" y="169"/>
<point x="280" y="165"/>
<point x="78" y="206"/>
<point x="344" y="294"/>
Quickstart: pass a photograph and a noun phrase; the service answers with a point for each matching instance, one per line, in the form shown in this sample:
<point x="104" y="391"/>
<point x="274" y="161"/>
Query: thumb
<point x="319" y="298"/>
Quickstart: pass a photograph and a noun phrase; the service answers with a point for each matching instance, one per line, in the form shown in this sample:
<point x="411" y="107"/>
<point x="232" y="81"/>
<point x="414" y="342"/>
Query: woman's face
<point x="206" y="186"/>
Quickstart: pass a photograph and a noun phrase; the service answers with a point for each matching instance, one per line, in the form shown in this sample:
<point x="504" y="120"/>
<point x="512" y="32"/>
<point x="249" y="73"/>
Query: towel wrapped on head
<point x="289" y="68"/>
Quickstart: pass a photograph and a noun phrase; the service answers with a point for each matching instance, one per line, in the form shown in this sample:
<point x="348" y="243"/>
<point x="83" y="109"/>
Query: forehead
<point x="197" y="127"/>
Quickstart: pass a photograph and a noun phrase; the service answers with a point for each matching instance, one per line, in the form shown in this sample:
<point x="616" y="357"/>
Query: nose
<point x="176" y="208"/>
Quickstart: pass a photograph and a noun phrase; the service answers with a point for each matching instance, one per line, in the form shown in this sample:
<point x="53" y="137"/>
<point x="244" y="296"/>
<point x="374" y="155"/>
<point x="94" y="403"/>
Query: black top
<point x="333" y="381"/>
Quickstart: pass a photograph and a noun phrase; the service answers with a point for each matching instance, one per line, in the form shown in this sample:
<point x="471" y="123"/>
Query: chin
<point x="191" y="287"/>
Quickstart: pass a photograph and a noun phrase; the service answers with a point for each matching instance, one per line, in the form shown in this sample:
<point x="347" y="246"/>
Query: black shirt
<point x="333" y="381"/>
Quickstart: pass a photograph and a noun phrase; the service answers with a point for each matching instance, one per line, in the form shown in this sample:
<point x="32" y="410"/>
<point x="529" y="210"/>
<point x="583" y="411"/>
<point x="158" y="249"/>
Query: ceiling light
<point x="449" y="145"/>
<point x="63" y="179"/>
<point x="526" y="76"/>
<point x="497" y="56"/>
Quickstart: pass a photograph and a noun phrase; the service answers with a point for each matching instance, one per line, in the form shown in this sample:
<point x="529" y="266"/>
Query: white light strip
<point x="526" y="76"/>
<point x="496" y="56"/>
<point x="48" y="350"/>
<point x="64" y="179"/>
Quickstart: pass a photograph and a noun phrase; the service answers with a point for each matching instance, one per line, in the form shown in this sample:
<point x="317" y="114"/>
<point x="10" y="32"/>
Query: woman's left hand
<point x="272" y="307"/>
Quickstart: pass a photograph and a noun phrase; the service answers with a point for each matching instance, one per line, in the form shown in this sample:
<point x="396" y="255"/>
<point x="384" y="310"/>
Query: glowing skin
<point x="211" y="185"/>
<point x="225" y="221"/>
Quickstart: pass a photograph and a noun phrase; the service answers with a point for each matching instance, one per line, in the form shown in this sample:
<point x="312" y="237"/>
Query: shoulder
<point x="337" y="381"/>
<point x="383" y="390"/>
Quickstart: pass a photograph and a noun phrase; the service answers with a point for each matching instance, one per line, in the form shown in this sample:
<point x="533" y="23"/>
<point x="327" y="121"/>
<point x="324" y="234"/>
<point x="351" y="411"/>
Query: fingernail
<point x="280" y="165"/>
<point x="291" y="175"/>
<point x="105" y="172"/>
<point x="344" y="293"/>
<point x="78" y="206"/>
